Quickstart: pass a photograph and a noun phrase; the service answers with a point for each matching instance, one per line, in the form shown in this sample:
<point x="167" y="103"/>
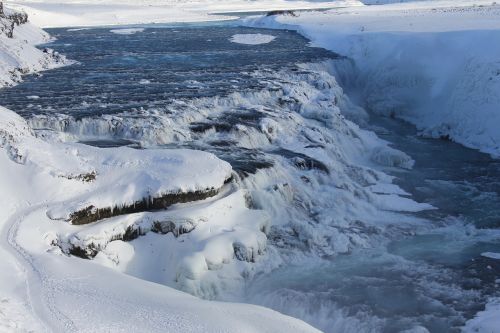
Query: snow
<point x="129" y="31"/>
<point x="71" y="13"/>
<point x="487" y="321"/>
<point x="20" y="56"/>
<point x="208" y="247"/>
<point x="252" y="39"/>
<point x="44" y="290"/>
<point x="83" y="290"/>
<point x="433" y="63"/>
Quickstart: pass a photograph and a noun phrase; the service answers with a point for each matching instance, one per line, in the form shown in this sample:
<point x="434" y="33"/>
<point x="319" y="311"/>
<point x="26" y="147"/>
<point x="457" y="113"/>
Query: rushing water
<point x="432" y="277"/>
<point x="118" y="73"/>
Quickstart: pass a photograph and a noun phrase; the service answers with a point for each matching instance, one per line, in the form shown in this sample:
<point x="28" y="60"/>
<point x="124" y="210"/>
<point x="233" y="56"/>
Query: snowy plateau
<point x="249" y="166"/>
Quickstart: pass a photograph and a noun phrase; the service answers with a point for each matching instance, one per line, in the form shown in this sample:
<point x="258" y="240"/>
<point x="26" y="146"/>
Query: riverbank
<point x="434" y="64"/>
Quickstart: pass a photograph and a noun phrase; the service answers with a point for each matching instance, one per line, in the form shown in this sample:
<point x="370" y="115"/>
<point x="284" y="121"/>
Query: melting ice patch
<point x="129" y="31"/>
<point x="252" y="39"/>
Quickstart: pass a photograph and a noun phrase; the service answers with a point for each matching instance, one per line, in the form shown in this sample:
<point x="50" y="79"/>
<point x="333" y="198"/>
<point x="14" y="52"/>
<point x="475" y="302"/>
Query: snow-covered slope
<point x="434" y="64"/>
<point x="18" y="55"/>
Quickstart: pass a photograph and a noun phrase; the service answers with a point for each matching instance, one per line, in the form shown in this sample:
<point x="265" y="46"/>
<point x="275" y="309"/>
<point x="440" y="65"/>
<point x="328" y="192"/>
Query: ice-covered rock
<point x="387" y="156"/>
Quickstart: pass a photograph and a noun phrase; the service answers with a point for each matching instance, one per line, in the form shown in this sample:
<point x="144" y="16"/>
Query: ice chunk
<point x="252" y="39"/>
<point x="129" y="31"/>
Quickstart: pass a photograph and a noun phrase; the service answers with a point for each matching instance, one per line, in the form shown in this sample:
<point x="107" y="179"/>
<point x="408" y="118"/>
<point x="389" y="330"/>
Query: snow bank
<point x="70" y="13"/>
<point x="252" y="39"/>
<point x="433" y="64"/>
<point x="129" y="180"/>
<point x="18" y="54"/>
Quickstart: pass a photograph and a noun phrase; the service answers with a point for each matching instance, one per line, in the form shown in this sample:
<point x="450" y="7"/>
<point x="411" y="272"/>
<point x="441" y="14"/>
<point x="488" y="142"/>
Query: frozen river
<point x="191" y="86"/>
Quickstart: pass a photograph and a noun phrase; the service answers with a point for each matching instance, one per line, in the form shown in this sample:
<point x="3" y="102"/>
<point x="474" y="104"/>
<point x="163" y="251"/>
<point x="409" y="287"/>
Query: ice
<point x="491" y="255"/>
<point x="487" y="320"/>
<point x="390" y="157"/>
<point x="130" y="31"/>
<point x="252" y="39"/>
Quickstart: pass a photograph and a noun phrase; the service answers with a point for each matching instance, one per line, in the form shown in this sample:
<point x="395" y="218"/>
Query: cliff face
<point x="9" y="20"/>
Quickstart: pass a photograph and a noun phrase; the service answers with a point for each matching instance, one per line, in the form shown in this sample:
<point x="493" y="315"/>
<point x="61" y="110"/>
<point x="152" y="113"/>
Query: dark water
<point x="121" y="73"/>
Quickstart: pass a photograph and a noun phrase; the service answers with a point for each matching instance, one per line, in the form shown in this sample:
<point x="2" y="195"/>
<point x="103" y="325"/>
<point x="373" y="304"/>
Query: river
<point x="431" y="275"/>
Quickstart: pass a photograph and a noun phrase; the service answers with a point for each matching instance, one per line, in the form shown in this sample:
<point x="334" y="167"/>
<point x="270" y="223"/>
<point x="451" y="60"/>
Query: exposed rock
<point x="281" y="12"/>
<point x="85" y="177"/>
<point x="10" y="20"/>
<point x="92" y="214"/>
